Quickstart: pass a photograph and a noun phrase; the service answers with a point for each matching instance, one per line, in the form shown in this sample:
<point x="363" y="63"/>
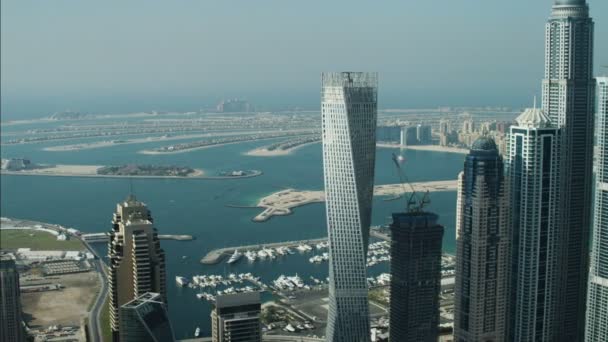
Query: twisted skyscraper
<point x="349" y="114"/>
<point x="568" y="99"/>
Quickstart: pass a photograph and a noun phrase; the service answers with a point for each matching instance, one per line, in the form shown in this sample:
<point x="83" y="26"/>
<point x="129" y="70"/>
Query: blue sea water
<point x="198" y="207"/>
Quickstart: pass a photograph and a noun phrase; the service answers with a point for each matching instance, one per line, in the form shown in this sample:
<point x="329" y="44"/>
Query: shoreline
<point x="282" y="203"/>
<point x="88" y="171"/>
<point x="263" y="152"/>
<point x="431" y="148"/>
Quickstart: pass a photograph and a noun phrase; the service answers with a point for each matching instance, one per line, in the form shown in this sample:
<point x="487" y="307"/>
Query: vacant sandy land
<point x="67" y="306"/>
<point x="282" y="202"/>
<point x="264" y="152"/>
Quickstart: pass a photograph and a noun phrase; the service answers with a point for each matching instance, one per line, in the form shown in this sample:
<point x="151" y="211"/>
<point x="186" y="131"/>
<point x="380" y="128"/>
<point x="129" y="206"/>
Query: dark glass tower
<point x="415" y="276"/>
<point x="568" y="100"/>
<point x="482" y="246"/>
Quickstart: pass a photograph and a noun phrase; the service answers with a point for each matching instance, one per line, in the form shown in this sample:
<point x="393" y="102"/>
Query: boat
<point x="235" y="257"/>
<point x="251" y="256"/>
<point x="197" y="332"/>
<point x="181" y="281"/>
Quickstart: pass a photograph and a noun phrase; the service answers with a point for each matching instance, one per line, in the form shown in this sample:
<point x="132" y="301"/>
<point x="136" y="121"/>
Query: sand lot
<point x="67" y="306"/>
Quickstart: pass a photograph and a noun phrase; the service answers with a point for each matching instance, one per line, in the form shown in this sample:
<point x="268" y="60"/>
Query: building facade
<point x="533" y="167"/>
<point x="568" y="100"/>
<point x="145" y="319"/>
<point x="236" y="318"/>
<point x="11" y="329"/>
<point x="416" y="240"/>
<point x="349" y="115"/>
<point x="136" y="260"/>
<point x="482" y="247"/>
<point x="597" y="298"/>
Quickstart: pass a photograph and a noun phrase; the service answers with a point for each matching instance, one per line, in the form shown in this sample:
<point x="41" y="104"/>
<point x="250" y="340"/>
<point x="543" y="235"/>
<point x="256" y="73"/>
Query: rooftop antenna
<point x="534" y="101"/>
<point x="413" y="204"/>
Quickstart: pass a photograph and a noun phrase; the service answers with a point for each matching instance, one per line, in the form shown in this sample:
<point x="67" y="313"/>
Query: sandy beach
<point x="264" y="152"/>
<point x="282" y="202"/>
<point x="86" y="171"/>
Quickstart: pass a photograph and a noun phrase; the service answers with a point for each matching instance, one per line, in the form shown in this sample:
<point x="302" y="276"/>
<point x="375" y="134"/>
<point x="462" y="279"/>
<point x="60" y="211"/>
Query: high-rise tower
<point x="415" y="277"/>
<point x="11" y="329"/>
<point x="482" y="246"/>
<point x="568" y="92"/>
<point x="349" y="115"/>
<point x="236" y="317"/>
<point x="533" y="167"/>
<point x="145" y="319"/>
<point x="137" y="263"/>
<point x="597" y="299"/>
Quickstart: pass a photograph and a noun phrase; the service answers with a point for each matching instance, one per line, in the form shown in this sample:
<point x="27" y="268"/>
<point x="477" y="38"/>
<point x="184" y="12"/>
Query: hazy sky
<point x="120" y="56"/>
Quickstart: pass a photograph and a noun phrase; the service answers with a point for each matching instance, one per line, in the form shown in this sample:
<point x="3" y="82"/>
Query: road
<point x="95" y="330"/>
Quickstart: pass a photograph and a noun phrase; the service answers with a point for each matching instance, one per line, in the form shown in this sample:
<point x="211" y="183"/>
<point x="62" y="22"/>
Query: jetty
<point x="217" y="255"/>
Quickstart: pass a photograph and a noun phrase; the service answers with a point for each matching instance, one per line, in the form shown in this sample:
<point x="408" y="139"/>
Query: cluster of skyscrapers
<point x="523" y="229"/>
<point x="524" y="220"/>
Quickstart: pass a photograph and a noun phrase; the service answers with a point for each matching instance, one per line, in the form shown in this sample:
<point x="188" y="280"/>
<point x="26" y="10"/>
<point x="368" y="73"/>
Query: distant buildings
<point x="568" y="90"/>
<point x="597" y="298"/>
<point x="236" y="317"/>
<point x="145" y="319"/>
<point x="415" y="277"/>
<point x="409" y="136"/>
<point x="424" y="135"/>
<point x="136" y="261"/>
<point x="234" y="106"/>
<point x="388" y="134"/>
<point x="16" y="164"/>
<point x="11" y="329"/>
<point x="482" y="247"/>
<point x="533" y="166"/>
<point x="349" y="114"/>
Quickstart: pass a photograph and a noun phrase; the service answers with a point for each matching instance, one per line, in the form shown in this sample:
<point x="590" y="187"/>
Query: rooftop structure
<point x="145" y="319"/>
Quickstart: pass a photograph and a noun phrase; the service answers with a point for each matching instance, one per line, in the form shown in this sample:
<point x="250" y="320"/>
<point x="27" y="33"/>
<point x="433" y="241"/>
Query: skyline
<point x="48" y="65"/>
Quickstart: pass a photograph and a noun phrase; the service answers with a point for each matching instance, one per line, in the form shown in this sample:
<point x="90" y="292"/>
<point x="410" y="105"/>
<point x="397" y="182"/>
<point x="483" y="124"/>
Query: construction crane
<point x="413" y="204"/>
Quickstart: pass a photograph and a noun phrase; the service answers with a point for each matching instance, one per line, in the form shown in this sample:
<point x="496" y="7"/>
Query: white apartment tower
<point x="137" y="263"/>
<point x="597" y="298"/>
<point x="349" y="115"/>
<point x="533" y="167"/>
<point x="568" y="100"/>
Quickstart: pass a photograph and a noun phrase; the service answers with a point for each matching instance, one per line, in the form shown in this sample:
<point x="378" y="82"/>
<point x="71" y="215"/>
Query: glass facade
<point x="534" y="170"/>
<point x="349" y="115"/>
<point x="568" y="93"/>
<point x="597" y="300"/>
<point x="482" y="247"/>
<point x="416" y="239"/>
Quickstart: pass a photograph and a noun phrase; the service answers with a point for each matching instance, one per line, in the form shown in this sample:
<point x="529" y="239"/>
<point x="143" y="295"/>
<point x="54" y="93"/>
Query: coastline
<point x="264" y="152"/>
<point x="89" y="171"/>
<point x="282" y="203"/>
<point x="431" y="148"/>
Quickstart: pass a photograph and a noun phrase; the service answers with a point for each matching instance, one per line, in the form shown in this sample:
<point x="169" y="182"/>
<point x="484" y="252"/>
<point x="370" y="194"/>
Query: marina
<point x="267" y="250"/>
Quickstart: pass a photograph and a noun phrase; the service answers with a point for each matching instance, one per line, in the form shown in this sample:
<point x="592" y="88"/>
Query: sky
<point x="140" y="55"/>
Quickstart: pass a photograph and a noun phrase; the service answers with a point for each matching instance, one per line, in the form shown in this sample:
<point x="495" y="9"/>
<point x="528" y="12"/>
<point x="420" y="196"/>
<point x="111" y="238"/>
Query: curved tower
<point x="349" y="113"/>
<point x="568" y="99"/>
<point x="482" y="247"/>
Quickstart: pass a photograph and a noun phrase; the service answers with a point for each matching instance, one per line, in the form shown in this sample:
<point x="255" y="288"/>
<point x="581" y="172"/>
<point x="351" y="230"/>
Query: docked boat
<point x="197" y="332"/>
<point x="235" y="257"/>
<point x="181" y="281"/>
<point x="251" y="256"/>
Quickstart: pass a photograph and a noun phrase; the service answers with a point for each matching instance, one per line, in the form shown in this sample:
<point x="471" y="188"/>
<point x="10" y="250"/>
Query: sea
<point x="200" y="207"/>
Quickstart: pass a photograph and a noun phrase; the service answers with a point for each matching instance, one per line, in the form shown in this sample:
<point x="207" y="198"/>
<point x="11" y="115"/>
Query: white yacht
<point x="181" y="281"/>
<point x="197" y="332"/>
<point x="235" y="257"/>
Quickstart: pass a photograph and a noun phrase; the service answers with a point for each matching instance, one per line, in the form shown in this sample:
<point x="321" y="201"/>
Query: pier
<point x="103" y="237"/>
<point x="216" y="255"/>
